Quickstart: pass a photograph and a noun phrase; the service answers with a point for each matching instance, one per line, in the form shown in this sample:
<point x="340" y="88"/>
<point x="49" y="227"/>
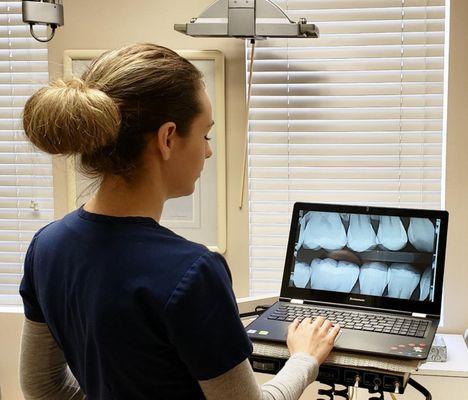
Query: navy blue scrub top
<point x="139" y="312"/>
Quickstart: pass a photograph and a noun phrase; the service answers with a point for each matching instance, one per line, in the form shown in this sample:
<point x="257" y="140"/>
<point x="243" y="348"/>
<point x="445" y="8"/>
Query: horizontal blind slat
<point x="339" y="4"/>
<point x="361" y="39"/>
<point x="357" y="101"/>
<point x="336" y="172"/>
<point x="295" y="77"/>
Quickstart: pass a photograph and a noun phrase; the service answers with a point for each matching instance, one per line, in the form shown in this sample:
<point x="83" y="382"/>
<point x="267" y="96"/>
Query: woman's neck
<point x="119" y="198"/>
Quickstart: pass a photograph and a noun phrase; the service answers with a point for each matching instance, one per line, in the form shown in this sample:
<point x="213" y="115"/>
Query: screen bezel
<point x="386" y="303"/>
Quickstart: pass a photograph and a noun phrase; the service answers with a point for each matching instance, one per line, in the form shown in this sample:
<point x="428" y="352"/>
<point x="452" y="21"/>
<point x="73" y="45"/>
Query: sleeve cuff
<point x="308" y="362"/>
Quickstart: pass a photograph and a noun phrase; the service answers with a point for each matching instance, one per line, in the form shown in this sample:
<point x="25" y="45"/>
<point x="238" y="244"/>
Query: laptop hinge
<point x="297" y="301"/>
<point x="420" y="315"/>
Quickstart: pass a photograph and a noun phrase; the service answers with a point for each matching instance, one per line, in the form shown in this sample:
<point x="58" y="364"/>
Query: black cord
<point x="31" y="29"/>
<point x="259" y="310"/>
<point x="420" y="388"/>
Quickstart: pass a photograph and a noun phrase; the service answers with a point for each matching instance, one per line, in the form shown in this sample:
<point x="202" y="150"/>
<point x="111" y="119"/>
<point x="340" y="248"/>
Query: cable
<point x="420" y="388"/>
<point x="249" y="90"/>
<point x="262" y="308"/>
<point x="259" y="310"/>
<point x="53" y="27"/>
<point x="354" y="395"/>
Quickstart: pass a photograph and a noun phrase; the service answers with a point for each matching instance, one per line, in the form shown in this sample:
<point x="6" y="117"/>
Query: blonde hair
<point x="106" y="116"/>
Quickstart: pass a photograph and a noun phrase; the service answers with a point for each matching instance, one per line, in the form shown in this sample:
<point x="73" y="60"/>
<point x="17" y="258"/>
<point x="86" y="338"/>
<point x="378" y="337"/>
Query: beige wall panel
<point x="10" y="335"/>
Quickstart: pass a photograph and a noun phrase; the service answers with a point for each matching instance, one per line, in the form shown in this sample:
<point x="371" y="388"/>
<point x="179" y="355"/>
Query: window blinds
<point x="353" y="117"/>
<point x="26" y="191"/>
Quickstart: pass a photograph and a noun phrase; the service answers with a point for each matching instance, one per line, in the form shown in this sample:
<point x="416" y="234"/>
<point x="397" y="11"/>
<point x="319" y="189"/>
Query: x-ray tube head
<point x="43" y="13"/>
<point x="48" y="13"/>
<point x="246" y="19"/>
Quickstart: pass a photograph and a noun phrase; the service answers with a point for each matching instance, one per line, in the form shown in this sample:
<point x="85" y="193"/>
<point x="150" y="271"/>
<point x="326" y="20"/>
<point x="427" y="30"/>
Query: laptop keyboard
<point x="355" y="320"/>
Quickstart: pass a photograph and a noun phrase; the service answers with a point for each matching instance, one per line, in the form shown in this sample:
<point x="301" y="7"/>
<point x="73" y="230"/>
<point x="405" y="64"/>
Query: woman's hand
<point x="315" y="338"/>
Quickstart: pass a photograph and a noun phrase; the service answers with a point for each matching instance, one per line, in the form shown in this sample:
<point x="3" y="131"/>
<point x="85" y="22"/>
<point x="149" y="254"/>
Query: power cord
<point x="259" y="310"/>
<point x="420" y="388"/>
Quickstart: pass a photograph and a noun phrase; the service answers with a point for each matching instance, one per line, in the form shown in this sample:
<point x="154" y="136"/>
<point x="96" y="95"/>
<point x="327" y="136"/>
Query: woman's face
<point x="192" y="151"/>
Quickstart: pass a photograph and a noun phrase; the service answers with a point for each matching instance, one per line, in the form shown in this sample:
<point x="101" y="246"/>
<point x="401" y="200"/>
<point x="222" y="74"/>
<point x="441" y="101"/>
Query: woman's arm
<point x="44" y="373"/>
<point x="239" y="383"/>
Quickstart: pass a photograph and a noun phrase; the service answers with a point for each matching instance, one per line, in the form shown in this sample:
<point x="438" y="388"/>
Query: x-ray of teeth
<point x="391" y="234"/>
<point x="425" y="284"/>
<point x="373" y="278"/>
<point x="375" y="253"/>
<point x="361" y="234"/>
<point x="338" y="276"/>
<point x="421" y="234"/>
<point x="402" y="280"/>
<point x="309" y="240"/>
<point x="301" y="274"/>
<point x="326" y="230"/>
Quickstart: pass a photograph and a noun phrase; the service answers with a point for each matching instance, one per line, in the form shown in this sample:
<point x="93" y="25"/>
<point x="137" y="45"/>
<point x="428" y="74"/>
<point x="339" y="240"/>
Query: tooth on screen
<point x="326" y="230"/>
<point x="301" y="274"/>
<point x="332" y="275"/>
<point x="402" y="280"/>
<point x="302" y="224"/>
<point x="373" y="278"/>
<point x="361" y="234"/>
<point x="308" y="239"/>
<point x="425" y="284"/>
<point x="391" y="234"/>
<point x="421" y="234"/>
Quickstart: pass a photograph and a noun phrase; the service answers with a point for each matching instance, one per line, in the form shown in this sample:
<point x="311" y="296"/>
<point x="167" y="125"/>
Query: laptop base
<point x="379" y="344"/>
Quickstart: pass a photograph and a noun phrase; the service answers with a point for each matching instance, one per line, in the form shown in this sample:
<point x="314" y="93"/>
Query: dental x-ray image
<point x="323" y="230"/>
<point x="372" y="255"/>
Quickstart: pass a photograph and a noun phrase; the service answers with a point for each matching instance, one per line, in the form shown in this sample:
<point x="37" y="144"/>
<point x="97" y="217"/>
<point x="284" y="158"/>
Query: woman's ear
<point x="166" y="138"/>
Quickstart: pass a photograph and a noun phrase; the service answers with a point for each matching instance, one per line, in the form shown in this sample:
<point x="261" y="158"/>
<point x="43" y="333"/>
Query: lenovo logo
<point x="356" y="299"/>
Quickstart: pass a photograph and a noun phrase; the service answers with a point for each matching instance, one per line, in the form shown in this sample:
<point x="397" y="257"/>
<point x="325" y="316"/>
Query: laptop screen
<point x="387" y="256"/>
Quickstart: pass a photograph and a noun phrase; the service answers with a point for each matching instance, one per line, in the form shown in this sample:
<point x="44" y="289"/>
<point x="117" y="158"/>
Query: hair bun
<point x="68" y="117"/>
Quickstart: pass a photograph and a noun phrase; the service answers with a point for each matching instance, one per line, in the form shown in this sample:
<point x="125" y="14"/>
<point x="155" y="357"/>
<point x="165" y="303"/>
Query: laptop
<point x="375" y="271"/>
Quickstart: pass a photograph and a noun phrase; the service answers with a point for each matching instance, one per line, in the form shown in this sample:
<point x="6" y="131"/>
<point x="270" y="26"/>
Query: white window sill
<point x="11" y="310"/>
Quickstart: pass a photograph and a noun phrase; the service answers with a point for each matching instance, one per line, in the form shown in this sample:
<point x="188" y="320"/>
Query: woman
<point x="134" y="310"/>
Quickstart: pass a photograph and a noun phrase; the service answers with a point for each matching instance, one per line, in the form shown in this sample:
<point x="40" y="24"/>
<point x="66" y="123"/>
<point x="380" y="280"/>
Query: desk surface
<point x="457" y="360"/>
